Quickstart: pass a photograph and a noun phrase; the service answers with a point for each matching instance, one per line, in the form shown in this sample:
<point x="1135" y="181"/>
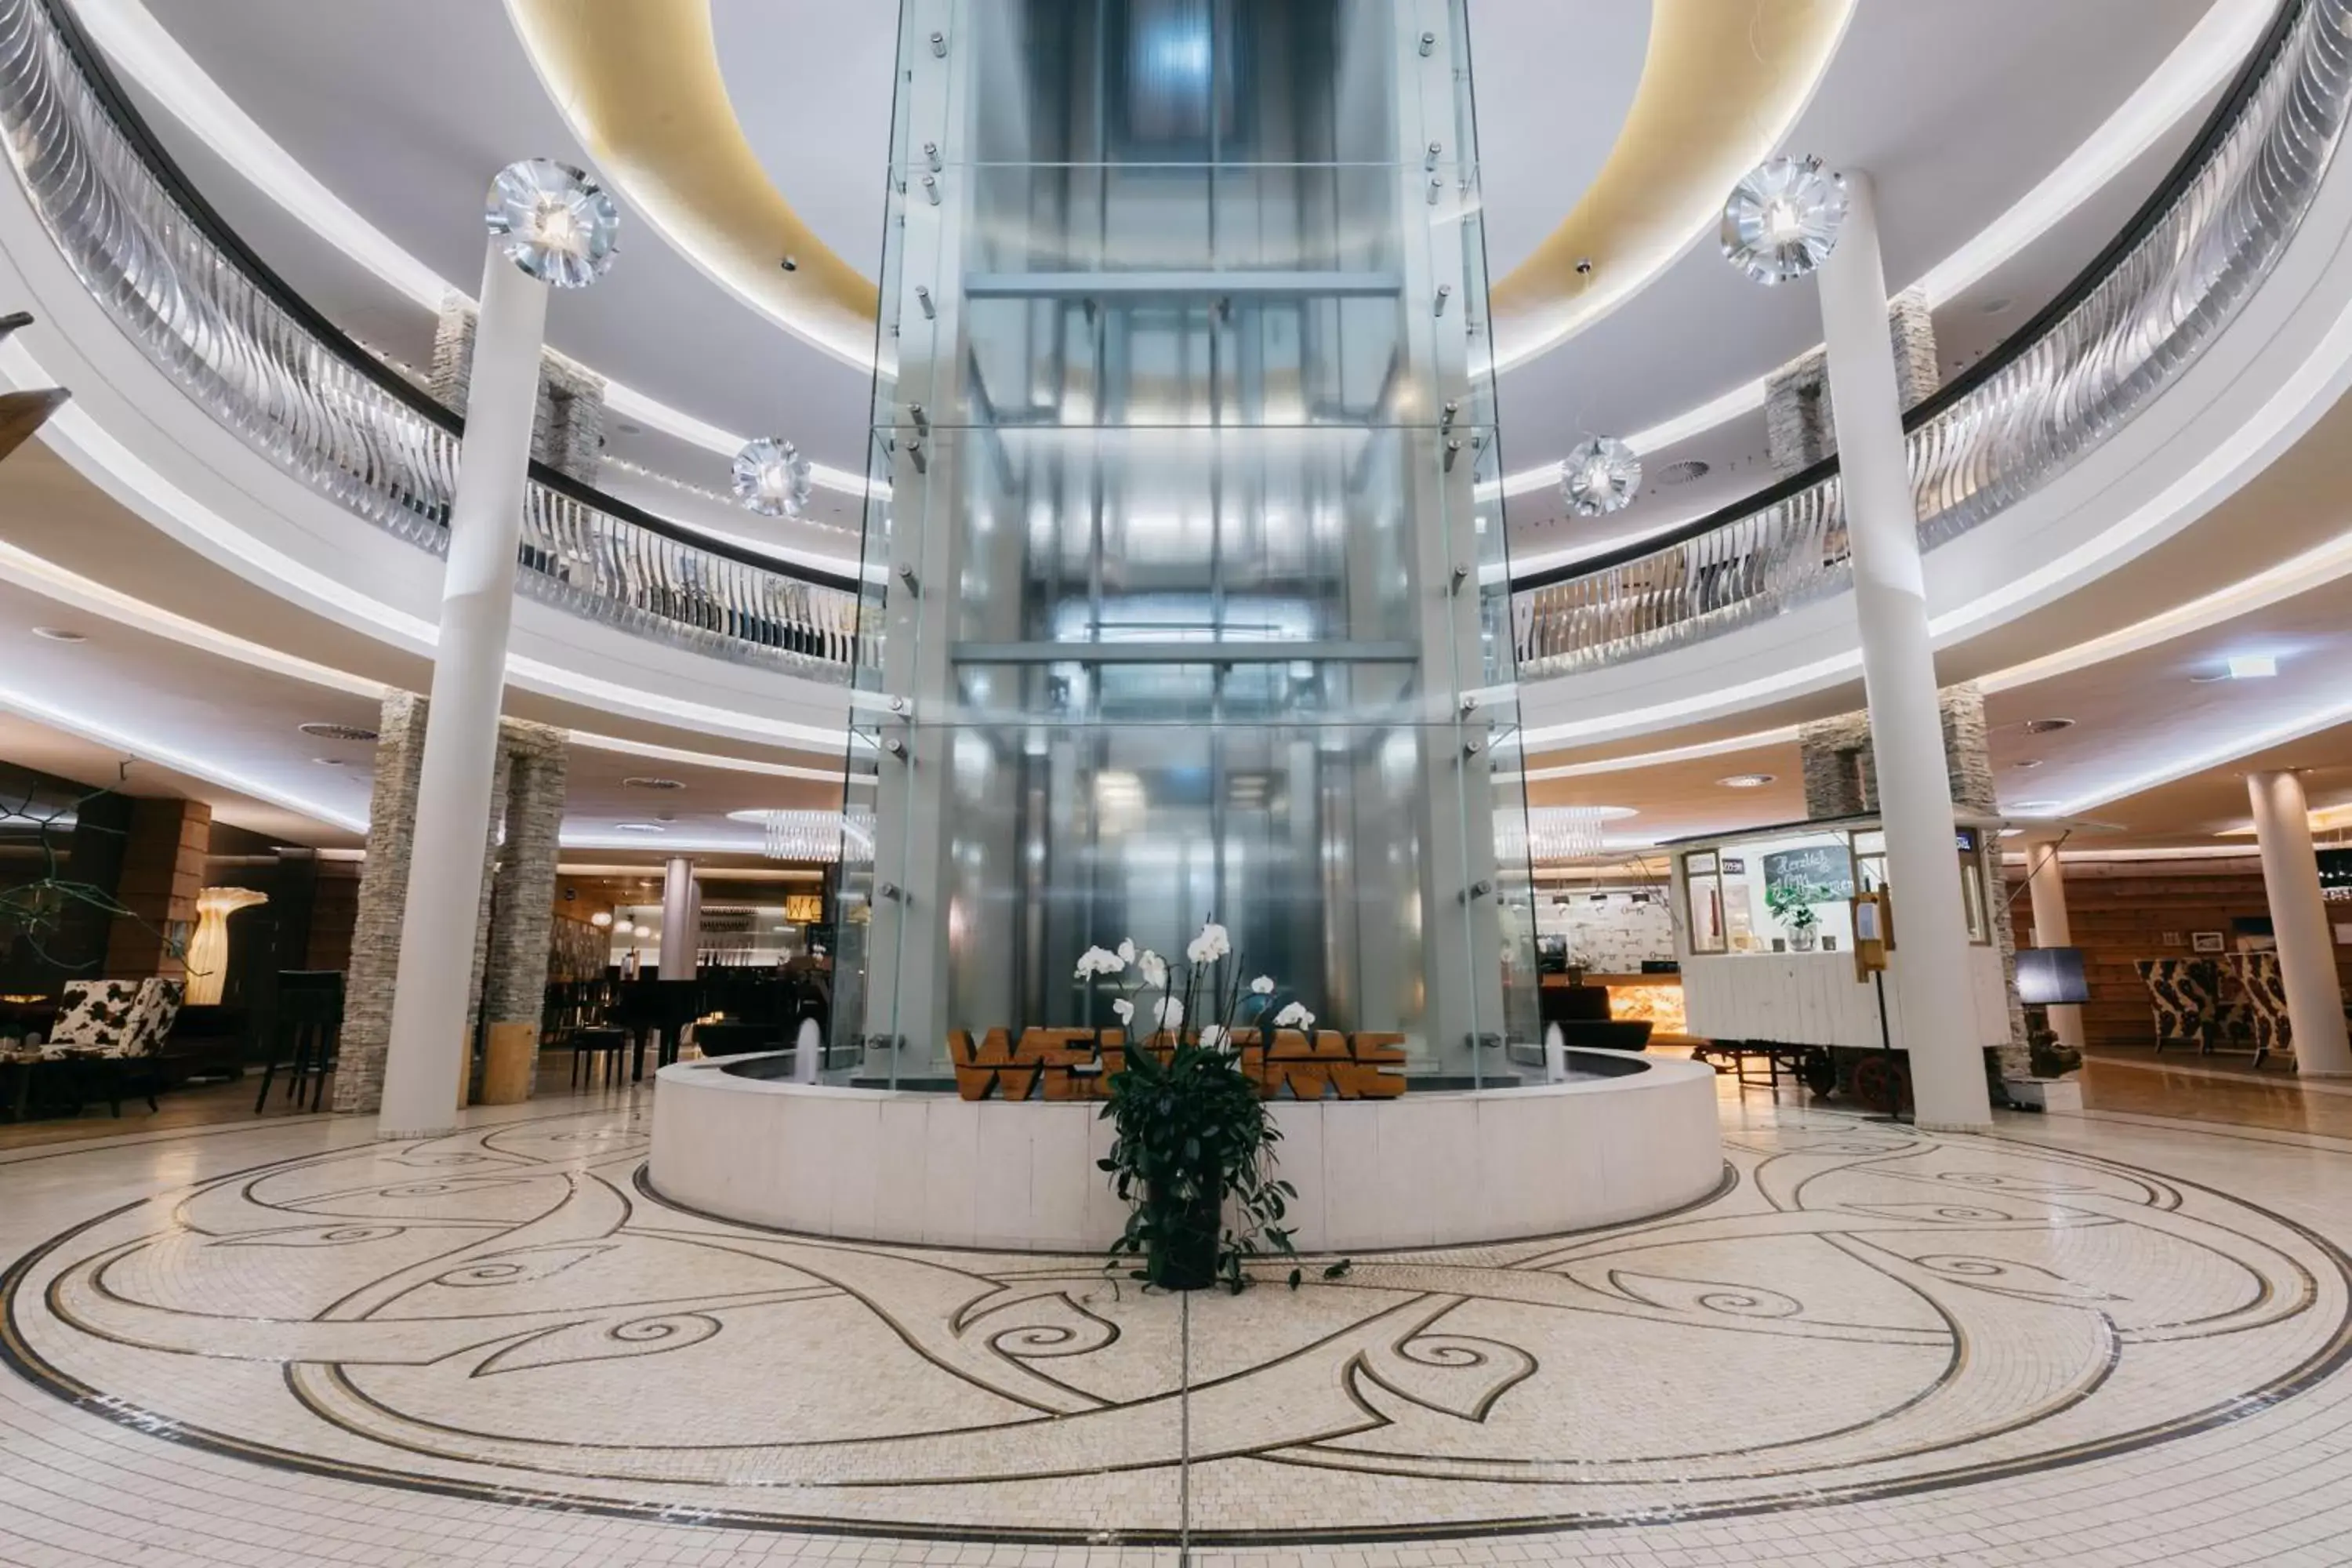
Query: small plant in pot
<point x="1193" y="1139"/>
<point x="1793" y="908"/>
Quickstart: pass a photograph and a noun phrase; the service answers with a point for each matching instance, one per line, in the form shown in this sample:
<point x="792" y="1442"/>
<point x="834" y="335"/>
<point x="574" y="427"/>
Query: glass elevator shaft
<point x="1185" y="540"/>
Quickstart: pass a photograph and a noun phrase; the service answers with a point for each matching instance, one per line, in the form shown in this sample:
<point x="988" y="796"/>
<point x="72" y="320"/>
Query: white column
<point x="425" y="1062"/>
<point x="2045" y="880"/>
<point x="681" y="936"/>
<point x="1899" y="669"/>
<point x="2307" y="947"/>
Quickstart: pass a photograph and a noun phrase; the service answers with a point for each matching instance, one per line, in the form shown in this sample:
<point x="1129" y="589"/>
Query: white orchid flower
<point x="1170" y="1013"/>
<point x="1153" y="968"/>
<point x="1099" y="961"/>
<point x="1263" y="986"/>
<point x="1211" y="944"/>
<point x="1294" y="1016"/>
<point x="1123" y="1008"/>
<point x="1126" y="950"/>
<point x="1213" y="1036"/>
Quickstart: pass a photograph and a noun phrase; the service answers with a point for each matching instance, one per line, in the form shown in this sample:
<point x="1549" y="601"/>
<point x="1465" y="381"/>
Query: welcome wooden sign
<point x="1079" y="1064"/>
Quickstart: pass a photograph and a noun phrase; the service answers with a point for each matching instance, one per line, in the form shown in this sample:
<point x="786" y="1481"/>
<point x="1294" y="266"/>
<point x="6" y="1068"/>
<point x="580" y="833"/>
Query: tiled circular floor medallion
<point x="504" y="1314"/>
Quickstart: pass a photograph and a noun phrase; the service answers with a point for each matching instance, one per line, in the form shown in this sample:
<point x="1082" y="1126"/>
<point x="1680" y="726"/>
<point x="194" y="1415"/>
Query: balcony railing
<point x="215" y="317"/>
<point x="2137" y="317"/>
<point x="220" y="323"/>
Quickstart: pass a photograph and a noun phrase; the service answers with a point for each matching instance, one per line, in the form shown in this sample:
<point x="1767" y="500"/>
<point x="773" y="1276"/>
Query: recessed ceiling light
<point x="2037" y="807"/>
<point x="639" y="828"/>
<point x="2024" y="762"/>
<point x="332" y="762"/>
<point x="323" y="730"/>
<point x="601" y="918"/>
<point x="651" y="783"/>
<point x="2047" y="726"/>
<point x="2011" y="832"/>
<point x="59" y="634"/>
<point x="1745" y="781"/>
<point x="2253" y="667"/>
<point x="1684" y="473"/>
<point x="626" y="428"/>
<point x="1994" y="307"/>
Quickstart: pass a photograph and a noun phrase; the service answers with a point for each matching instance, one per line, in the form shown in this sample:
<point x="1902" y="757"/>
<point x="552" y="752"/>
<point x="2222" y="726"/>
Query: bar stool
<point x="306" y="1036"/>
<point x="599" y="1046"/>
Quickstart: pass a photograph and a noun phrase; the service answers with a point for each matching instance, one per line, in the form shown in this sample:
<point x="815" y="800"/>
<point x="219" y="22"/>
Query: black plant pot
<point x="1186" y="1258"/>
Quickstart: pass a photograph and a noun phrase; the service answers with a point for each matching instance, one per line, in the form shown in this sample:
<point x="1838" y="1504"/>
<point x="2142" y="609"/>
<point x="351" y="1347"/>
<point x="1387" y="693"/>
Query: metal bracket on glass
<point x="1477" y="890"/>
<point x="907" y="575"/>
<point x="923" y="300"/>
<point x="1428" y="44"/>
<point x="1445" y="292"/>
<point x="939" y="45"/>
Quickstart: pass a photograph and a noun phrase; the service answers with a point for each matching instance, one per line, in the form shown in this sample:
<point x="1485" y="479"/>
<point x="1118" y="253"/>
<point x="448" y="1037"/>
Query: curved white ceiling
<point x="1901" y="97"/>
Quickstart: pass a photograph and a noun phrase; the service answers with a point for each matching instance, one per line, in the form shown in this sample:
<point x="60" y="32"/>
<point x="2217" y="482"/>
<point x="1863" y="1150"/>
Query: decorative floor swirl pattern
<point x="1866" y="1312"/>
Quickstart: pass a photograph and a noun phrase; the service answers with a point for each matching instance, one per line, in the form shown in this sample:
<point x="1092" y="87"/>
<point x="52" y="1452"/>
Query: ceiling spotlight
<point x="2253" y="667"/>
<point x="552" y="221"/>
<point x="2047" y="726"/>
<point x="601" y="918"/>
<point x="1601" y="476"/>
<point x="1745" y="781"/>
<point x="59" y="634"/>
<point x="771" y="478"/>
<point x="318" y="730"/>
<point x="1783" y="219"/>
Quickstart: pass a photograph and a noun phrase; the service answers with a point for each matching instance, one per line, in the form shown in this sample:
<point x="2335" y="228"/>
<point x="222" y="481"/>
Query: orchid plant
<point x="1192" y="1129"/>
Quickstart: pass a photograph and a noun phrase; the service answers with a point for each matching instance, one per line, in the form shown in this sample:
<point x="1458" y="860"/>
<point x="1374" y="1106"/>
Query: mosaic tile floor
<point x="2091" y="1341"/>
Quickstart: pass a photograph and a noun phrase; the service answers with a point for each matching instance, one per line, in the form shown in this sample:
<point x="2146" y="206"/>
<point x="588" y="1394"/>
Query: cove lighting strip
<point x="127" y="33"/>
<point x="78" y="722"/>
<point x="2211" y="53"/>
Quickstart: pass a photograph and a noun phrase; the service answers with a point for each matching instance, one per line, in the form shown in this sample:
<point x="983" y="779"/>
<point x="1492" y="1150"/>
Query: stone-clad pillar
<point x="383" y="897"/>
<point x="521" y="928"/>
<point x="1842" y="780"/>
<point x="568" y="432"/>
<point x="512" y="932"/>
<point x="1797" y="428"/>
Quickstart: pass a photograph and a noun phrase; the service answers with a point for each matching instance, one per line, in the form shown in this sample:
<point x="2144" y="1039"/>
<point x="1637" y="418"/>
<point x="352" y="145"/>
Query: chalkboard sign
<point x="1824" y="873"/>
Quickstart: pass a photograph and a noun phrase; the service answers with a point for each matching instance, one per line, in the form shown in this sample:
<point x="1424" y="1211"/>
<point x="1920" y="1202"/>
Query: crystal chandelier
<point x="819" y="836"/>
<point x="771" y="478"/>
<point x="552" y="221"/>
<point x="1559" y="833"/>
<point x="1783" y="219"/>
<point x="1601" y="476"/>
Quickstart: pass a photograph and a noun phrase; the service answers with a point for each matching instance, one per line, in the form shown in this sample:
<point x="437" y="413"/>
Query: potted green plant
<point x="1192" y="1143"/>
<point x="1793" y="907"/>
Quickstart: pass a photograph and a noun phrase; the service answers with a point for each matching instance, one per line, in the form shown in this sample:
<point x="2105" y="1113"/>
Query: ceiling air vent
<point x="1686" y="470"/>
<point x="325" y="731"/>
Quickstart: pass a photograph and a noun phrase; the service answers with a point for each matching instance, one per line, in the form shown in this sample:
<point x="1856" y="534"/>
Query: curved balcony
<point x="247" y="350"/>
<point x="2124" y="330"/>
<point x="206" y="311"/>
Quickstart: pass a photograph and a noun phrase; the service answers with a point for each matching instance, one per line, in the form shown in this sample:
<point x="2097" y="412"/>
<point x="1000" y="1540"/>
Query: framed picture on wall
<point x="2174" y="939"/>
<point x="2210" y="942"/>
